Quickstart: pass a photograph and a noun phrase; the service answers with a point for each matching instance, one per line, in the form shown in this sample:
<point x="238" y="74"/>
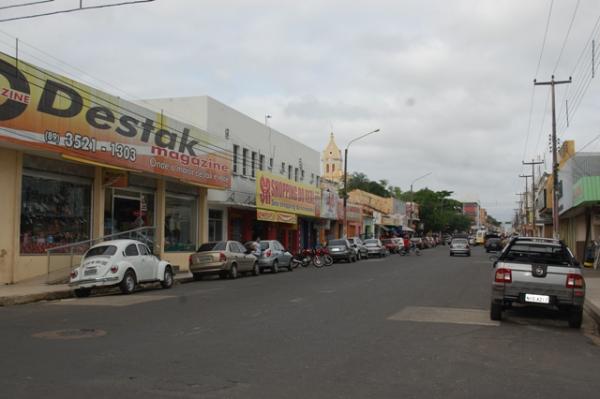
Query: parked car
<point x="493" y="244"/>
<point x="359" y="246"/>
<point x="375" y="247"/>
<point x="224" y="258"/>
<point x="539" y="272"/>
<point x="125" y="263"/>
<point x="273" y="256"/>
<point x="341" y="249"/>
<point x="391" y="245"/>
<point x="460" y="246"/>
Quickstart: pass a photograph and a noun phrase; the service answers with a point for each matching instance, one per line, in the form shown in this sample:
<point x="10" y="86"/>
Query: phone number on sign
<point x="81" y="142"/>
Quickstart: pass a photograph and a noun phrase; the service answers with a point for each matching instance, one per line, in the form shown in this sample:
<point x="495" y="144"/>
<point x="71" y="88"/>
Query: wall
<point x="10" y="181"/>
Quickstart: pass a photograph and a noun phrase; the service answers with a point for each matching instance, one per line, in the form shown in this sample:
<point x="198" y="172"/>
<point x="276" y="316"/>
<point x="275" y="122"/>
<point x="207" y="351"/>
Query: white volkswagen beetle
<point x="125" y="263"/>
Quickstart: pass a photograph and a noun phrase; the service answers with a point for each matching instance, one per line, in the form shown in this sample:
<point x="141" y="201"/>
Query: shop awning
<point x="408" y="229"/>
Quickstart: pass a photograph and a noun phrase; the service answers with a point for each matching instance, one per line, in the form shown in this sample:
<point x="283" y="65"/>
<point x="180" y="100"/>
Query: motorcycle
<point x="413" y="248"/>
<point x="322" y="257"/>
<point x="302" y="258"/>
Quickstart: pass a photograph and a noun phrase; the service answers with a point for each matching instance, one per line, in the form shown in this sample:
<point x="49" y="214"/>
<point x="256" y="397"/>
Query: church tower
<point x="332" y="162"/>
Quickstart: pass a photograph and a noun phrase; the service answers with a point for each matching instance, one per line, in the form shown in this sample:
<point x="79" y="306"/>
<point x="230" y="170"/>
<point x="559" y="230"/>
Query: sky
<point x="448" y="83"/>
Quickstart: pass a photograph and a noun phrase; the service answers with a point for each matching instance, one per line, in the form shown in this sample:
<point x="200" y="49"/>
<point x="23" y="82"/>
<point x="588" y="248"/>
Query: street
<point x="382" y="328"/>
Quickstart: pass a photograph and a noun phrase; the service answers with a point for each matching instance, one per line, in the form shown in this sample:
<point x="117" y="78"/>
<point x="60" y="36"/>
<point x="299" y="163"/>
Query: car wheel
<point x="496" y="311"/>
<point x="255" y="269"/>
<point x="358" y="256"/>
<point x="167" y="279"/>
<point x="197" y="276"/>
<point x="233" y="272"/>
<point x="82" y="292"/>
<point x="354" y="259"/>
<point x="575" y="317"/>
<point x="469" y="254"/>
<point x="128" y="283"/>
<point x="275" y="268"/>
<point x="451" y="254"/>
<point x="290" y="268"/>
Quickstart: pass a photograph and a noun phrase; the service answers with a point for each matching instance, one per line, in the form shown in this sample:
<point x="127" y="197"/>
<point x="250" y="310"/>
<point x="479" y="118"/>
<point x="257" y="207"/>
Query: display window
<point x="55" y="210"/>
<point x="180" y="223"/>
<point x="128" y="209"/>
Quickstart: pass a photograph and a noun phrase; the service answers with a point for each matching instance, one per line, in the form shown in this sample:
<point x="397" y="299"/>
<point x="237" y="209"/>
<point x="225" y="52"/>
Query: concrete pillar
<point x="202" y="215"/>
<point x="98" y="204"/>
<point x="11" y="167"/>
<point x="159" y="221"/>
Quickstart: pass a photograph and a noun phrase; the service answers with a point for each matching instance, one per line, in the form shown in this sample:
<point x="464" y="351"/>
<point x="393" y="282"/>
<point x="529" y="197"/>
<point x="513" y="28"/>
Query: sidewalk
<point x="37" y="290"/>
<point x="592" y="293"/>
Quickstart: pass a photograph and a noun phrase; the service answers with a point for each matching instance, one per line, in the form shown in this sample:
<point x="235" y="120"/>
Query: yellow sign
<point x="276" y="193"/>
<point x="278" y="217"/>
<point x="381" y="204"/>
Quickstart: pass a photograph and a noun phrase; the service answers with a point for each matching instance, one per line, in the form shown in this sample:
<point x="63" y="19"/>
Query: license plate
<point x="537" y="298"/>
<point x="335" y="250"/>
<point x="90" y="272"/>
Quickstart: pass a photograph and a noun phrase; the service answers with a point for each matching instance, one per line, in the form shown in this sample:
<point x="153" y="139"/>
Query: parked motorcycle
<point x="302" y="258"/>
<point x="322" y="257"/>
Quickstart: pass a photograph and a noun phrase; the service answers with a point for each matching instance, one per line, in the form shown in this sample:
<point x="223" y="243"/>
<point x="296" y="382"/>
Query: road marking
<point x="445" y="315"/>
<point x="327" y="291"/>
<point x="297" y="300"/>
<point x="111" y="300"/>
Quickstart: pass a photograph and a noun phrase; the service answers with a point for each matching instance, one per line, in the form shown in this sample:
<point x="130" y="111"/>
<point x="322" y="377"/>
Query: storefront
<point x="289" y="210"/>
<point x="77" y="164"/>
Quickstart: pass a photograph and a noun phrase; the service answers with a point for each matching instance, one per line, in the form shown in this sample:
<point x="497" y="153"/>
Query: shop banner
<point x="278" y="217"/>
<point x="46" y="111"/>
<point x="276" y="193"/>
<point x="329" y="204"/>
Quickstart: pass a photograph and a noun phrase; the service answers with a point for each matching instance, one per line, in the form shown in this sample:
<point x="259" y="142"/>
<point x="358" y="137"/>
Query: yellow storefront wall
<point x="15" y="267"/>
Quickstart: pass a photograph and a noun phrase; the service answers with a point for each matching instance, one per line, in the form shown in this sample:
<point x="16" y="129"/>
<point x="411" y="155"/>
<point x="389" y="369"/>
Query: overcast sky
<point x="449" y="83"/>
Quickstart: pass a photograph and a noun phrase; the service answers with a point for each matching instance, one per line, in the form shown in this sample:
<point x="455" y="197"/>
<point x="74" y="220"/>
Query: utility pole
<point x="533" y="211"/>
<point x="553" y="83"/>
<point x="523" y="220"/>
<point x="526" y="200"/>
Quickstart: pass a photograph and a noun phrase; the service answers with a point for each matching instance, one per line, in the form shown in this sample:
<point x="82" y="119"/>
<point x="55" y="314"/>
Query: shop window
<point x="244" y="160"/>
<point x="55" y="211"/>
<point x="126" y="210"/>
<point x="215" y="225"/>
<point x="180" y="223"/>
<point x="253" y="165"/>
<point x="236" y="150"/>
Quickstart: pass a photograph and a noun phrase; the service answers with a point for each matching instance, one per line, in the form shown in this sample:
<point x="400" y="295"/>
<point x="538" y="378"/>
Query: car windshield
<point x="460" y="241"/>
<point x="337" y="242"/>
<point x="103" y="250"/>
<point x="535" y="253"/>
<point x="212" y="246"/>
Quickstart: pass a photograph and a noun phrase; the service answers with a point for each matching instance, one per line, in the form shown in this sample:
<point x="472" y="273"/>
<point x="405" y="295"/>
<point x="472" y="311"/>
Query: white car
<point x="125" y="263"/>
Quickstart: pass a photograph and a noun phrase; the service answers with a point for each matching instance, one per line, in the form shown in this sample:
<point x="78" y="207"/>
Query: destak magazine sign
<point x="46" y="111"/>
<point x="276" y="193"/>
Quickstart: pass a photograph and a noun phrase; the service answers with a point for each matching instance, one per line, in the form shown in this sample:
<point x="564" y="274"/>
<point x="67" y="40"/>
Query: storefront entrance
<point x="127" y="210"/>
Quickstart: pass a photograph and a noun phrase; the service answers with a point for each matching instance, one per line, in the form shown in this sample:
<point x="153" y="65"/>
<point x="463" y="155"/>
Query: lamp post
<point x="346" y="178"/>
<point x="411" y="193"/>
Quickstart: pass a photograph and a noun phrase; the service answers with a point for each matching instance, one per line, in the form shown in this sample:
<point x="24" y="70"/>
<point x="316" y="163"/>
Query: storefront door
<point x="128" y="210"/>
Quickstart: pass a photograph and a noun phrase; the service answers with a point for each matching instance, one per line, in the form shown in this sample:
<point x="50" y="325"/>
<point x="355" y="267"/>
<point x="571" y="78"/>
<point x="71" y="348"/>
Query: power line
<point x="566" y="37"/>
<point x="31" y="3"/>
<point x="545" y="36"/>
<point x="80" y="8"/>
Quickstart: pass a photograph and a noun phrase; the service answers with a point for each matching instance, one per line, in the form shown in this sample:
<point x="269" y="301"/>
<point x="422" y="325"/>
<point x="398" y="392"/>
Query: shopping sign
<point x="46" y="111"/>
<point x="277" y="193"/>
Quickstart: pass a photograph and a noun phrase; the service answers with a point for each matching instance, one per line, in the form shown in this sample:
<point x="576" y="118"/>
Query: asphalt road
<point x="398" y="327"/>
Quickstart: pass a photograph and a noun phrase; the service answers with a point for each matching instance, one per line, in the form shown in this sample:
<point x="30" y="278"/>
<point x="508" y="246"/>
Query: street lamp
<point x="411" y="194"/>
<point x="346" y="177"/>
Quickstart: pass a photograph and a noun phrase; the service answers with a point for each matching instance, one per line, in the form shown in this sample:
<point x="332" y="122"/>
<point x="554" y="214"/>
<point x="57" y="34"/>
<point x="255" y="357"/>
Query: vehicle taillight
<point x="574" y="281"/>
<point x="268" y="253"/>
<point x="114" y="268"/>
<point x="503" y="276"/>
<point x="190" y="261"/>
<point x="222" y="257"/>
<point x="73" y="273"/>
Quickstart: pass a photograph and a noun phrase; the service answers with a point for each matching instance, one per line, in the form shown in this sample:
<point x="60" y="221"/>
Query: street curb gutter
<point x="44" y="296"/>
<point x="592" y="310"/>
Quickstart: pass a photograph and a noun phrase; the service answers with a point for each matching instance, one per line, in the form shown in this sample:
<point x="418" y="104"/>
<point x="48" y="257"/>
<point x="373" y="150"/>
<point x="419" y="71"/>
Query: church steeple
<point x="332" y="161"/>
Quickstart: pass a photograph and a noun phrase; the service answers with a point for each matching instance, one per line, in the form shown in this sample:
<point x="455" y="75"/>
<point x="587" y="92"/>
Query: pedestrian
<point x="257" y="251"/>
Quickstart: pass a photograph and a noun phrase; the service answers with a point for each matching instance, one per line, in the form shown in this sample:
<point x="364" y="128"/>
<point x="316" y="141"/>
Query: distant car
<point x="375" y="247"/>
<point x="472" y="241"/>
<point x="273" y="256"/>
<point x="359" y="247"/>
<point x="460" y="246"/>
<point x="125" y="263"/>
<point x="223" y="258"/>
<point x="493" y="244"/>
<point x="539" y="272"/>
<point x="341" y="249"/>
<point x="391" y="245"/>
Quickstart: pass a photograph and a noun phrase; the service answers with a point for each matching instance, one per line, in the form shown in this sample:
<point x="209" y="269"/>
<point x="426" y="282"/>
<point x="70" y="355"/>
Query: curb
<point x="44" y="296"/>
<point x="593" y="310"/>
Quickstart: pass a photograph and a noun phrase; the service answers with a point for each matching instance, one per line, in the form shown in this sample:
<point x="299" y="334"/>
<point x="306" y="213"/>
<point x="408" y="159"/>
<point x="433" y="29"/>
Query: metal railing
<point x="63" y="259"/>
